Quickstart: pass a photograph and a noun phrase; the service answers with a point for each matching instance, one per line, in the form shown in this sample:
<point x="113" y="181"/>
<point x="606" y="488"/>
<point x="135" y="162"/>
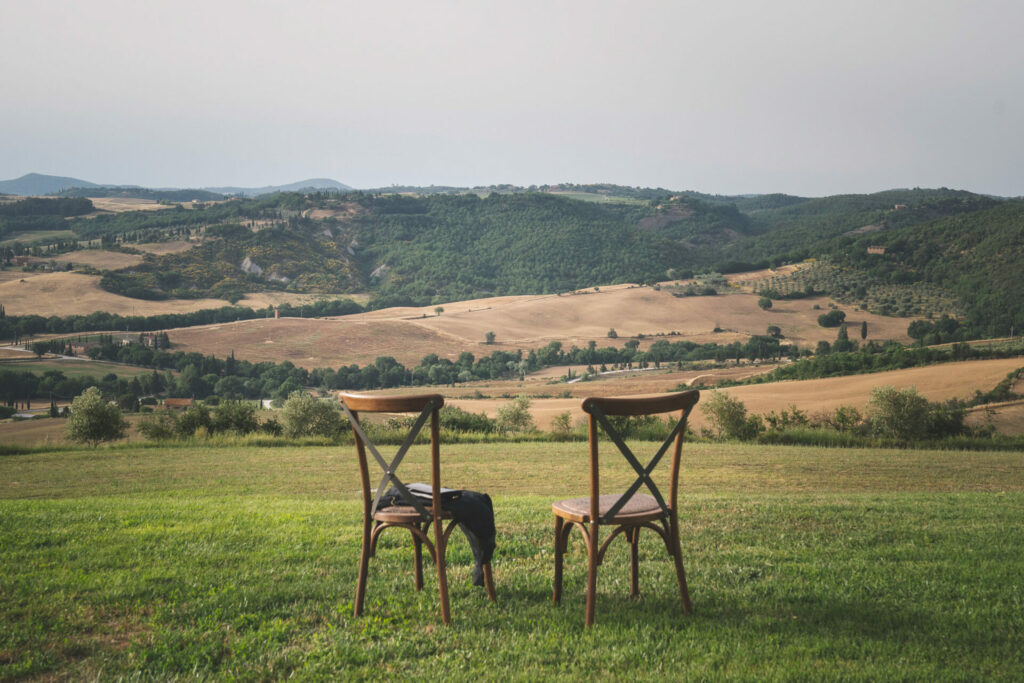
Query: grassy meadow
<point x="229" y="562"/>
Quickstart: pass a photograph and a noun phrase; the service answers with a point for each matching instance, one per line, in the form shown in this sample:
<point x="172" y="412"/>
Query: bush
<point x="515" y="416"/>
<point x="459" y="420"/>
<point x="235" y="416"/>
<point x="304" y="415"/>
<point x="831" y="319"/>
<point x="162" y="426"/>
<point x="898" y="413"/>
<point x="728" y="416"/>
<point x="196" y="418"/>
<point x="94" y="420"/>
<point x="764" y="302"/>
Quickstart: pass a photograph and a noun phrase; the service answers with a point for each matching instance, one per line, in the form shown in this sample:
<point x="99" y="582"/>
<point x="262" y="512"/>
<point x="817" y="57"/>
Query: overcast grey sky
<point x="805" y="97"/>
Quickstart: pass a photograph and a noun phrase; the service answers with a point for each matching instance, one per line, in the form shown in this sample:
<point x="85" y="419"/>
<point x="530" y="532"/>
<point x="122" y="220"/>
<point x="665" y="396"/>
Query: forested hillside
<point x="423" y="248"/>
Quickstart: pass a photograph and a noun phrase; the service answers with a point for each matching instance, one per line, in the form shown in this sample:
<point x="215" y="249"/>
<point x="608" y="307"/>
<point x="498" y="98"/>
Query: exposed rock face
<point x="250" y="267"/>
<point x="277" y="277"/>
<point x="381" y="270"/>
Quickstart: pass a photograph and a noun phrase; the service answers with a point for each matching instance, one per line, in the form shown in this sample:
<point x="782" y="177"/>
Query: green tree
<point x="898" y="413"/>
<point x="160" y="426"/>
<point x="864" y="329"/>
<point x="489" y="337"/>
<point x="515" y="416"/>
<point x="439" y="310"/>
<point x="305" y="415"/>
<point x="728" y="416"/>
<point x="843" y="343"/>
<point x="764" y="302"/>
<point x="235" y="416"/>
<point x="562" y="423"/>
<point x="612" y="334"/>
<point x="94" y="420"/>
<point x="832" y="318"/>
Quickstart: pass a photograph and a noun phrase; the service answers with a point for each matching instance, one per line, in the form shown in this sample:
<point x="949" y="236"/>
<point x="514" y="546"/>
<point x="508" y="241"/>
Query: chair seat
<point x="640" y="508"/>
<point x="404" y="514"/>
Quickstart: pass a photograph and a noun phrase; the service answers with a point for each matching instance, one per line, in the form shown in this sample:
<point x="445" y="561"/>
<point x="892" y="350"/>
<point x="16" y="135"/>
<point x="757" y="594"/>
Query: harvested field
<point x="161" y="248"/>
<point x="100" y="259"/>
<point x="524" y="322"/>
<point x="315" y="343"/>
<point x="765" y="274"/>
<point x="123" y="204"/>
<point x="936" y="383"/>
<point x="1008" y="418"/>
<point x="66" y="294"/>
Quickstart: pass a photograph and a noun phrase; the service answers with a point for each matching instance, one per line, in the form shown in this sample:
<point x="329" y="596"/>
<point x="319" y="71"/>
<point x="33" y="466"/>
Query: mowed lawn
<point x="221" y="563"/>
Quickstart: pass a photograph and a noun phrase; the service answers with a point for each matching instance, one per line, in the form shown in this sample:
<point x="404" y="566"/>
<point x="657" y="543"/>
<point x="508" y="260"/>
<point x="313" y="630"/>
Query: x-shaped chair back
<point x="600" y="408"/>
<point x="427" y="405"/>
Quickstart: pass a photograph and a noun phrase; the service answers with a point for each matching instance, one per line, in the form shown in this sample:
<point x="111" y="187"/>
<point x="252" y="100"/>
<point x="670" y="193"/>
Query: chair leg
<point x="364" y="564"/>
<point x="634" y="562"/>
<point x="489" y="583"/>
<point x="556" y="595"/>
<point x="440" y="548"/>
<point x="417" y="546"/>
<point x="592" y="551"/>
<point x="677" y="553"/>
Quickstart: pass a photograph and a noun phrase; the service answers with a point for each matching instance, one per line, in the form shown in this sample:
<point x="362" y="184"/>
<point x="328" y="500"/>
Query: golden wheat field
<point x="66" y="294"/>
<point x="523" y="323"/>
<point x="936" y="383"/>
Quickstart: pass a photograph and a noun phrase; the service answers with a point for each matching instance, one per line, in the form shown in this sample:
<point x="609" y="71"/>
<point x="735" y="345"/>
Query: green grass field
<point x="78" y="367"/>
<point x="37" y="237"/>
<point x="226" y="563"/>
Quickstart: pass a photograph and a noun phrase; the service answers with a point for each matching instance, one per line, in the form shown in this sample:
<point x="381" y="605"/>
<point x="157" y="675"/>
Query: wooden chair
<point x="629" y="512"/>
<point x="413" y="516"/>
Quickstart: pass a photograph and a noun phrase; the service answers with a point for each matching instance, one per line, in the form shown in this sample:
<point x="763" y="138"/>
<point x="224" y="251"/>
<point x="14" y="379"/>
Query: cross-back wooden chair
<point x="412" y="515"/>
<point x="631" y="511"/>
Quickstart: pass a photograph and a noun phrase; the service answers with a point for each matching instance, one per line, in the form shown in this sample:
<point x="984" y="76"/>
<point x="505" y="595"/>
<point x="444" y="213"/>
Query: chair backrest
<point x="427" y="405"/>
<point x="598" y="410"/>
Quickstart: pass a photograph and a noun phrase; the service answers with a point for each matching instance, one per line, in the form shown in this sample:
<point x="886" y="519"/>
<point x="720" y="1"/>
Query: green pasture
<point x="73" y="368"/>
<point x="599" y="198"/>
<point x="239" y="563"/>
<point x="37" y="237"/>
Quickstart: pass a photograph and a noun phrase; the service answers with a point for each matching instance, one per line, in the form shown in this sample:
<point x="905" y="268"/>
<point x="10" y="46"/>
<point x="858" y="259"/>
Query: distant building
<point x="897" y="207"/>
<point x="177" y="403"/>
<point x="876" y="250"/>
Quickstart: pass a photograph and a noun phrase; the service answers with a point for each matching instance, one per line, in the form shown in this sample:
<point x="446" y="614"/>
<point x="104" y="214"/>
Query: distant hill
<point x="38" y="184"/>
<point x="311" y="184"/>
<point x="907" y="252"/>
<point x="35" y="184"/>
<point x="186" y="195"/>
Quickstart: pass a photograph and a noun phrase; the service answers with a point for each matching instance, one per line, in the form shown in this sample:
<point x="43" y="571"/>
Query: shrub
<point x="833" y="318"/>
<point x="235" y="416"/>
<point x="195" y="419"/>
<point x="898" y="413"/>
<point x="94" y="420"/>
<point x="162" y="426"/>
<point x="304" y="415"/>
<point x="459" y="420"/>
<point x="728" y="416"/>
<point x="515" y="416"/>
<point x="764" y="302"/>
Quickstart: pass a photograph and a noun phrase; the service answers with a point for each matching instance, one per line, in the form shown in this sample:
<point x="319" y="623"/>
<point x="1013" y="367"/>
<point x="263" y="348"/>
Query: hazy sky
<point x="806" y="97"/>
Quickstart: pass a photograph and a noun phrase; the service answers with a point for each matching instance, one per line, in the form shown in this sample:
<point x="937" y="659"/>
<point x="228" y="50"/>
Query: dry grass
<point x="522" y="322"/>
<point x="937" y="383"/>
<point x="123" y="204"/>
<point x="100" y="259"/>
<point x="66" y="294"/>
<point x="162" y="248"/>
